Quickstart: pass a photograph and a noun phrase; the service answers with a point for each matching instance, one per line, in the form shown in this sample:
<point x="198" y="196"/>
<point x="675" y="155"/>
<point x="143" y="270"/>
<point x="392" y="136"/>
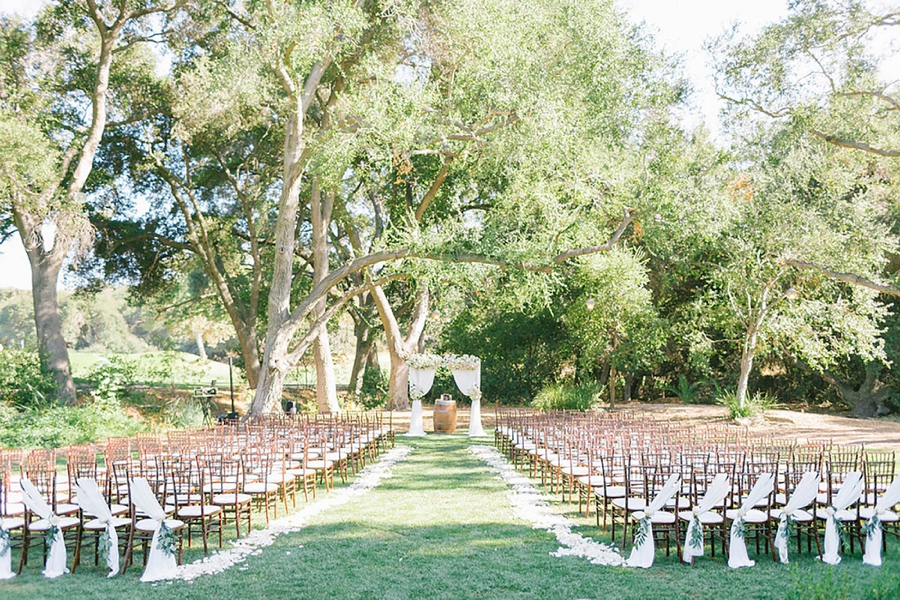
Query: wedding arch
<point x="466" y="371"/>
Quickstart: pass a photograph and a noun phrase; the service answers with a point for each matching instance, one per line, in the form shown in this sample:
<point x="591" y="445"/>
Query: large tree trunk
<point x="866" y="400"/>
<point x="250" y="351"/>
<point x="272" y="370"/>
<point x="321" y="206"/>
<point x="748" y="352"/>
<point x="45" y="266"/>
<point x="398" y="346"/>
<point x="365" y="357"/>
<point x="52" y="348"/>
<point x="201" y="347"/>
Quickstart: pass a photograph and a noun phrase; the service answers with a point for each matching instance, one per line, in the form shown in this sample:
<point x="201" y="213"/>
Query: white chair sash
<point x="6" y="571"/>
<point x="737" y="555"/>
<point x="873" y="529"/>
<point x="91" y="501"/>
<point x="803" y="495"/>
<point x="849" y="493"/>
<point x="644" y="551"/>
<point x="56" y="557"/>
<point x="469" y="383"/>
<point x="715" y="493"/>
<point x="160" y="564"/>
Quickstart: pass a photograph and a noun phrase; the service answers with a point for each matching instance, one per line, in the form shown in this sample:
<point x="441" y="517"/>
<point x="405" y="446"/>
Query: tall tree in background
<point x="54" y="97"/>
<point x="821" y="76"/>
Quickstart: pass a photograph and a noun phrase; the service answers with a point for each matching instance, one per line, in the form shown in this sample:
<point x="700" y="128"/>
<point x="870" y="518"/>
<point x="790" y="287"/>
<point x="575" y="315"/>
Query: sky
<point x="679" y="27"/>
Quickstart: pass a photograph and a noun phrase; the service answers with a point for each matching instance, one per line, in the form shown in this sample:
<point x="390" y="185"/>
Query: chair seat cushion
<point x="611" y="491"/>
<point x="302" y="472"/>
<point x="219" y="487"/>
<point x="260" y="488"/>
<point x="888" y="517"/>
<point x="96" y="525"/>
<point x="150" y="525"/>
<point x="66" y="509"/>
<point x="12" y="523"/>
<point x="195" y="510"/>
<point x="707" y="518"/>
<point x="320" y="464"/>
<point x="592" y="480"/>
<point x="753" y="515"/>
<point x="679" y="502"/>
<point x="800" y="515"/>
<point x="231" y="499"/>
<point x="841" y="515"/>
<point x="182" y="499"/>
<point x="576" y="471"/>
<point x="44" y="524"/>
<point x="660" y="518"/>
<point x="630" y="503"/>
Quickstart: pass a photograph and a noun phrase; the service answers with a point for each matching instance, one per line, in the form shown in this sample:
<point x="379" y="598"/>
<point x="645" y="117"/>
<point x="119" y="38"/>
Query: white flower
<point x="424" y="361"/>
<point x="465" y="362"/>
<point x="530" y="505"/>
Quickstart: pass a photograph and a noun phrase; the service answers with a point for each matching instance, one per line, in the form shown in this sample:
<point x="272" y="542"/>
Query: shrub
<point x="374" y="389"/>
<point x="566" y="396"/>
<point x="686" y="392"/>
<point x="754" y="405"/>
<point x="22" y="383"/>
<point x="54" y="426"/>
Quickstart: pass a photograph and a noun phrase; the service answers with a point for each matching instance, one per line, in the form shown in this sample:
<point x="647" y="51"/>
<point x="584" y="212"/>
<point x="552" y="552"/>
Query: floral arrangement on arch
<point x="424" y="361"/>
<point x="464" y="362"/>
<point x="415" y="392"/>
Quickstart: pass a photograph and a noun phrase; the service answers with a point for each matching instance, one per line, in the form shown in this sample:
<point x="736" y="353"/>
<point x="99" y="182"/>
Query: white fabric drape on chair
<point x="803" y="495"/>
<point x="469" y="383"/>
<point x="160" y="564"/>
<point x="849" y="493"/>
<point x="715" y="494"/>
<point x="56" y="557"/>
<point x="737" y="555"/>
<point x="6" y="571"/>
<point x="91" y="501"/>
<point x="643" y="553"/>
<point x="882" y="508"/>
<point x="420" y="382"/>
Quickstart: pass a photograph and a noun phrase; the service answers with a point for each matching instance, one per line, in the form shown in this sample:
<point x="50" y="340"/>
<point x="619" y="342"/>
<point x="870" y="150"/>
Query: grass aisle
<point x="443" y="527"/>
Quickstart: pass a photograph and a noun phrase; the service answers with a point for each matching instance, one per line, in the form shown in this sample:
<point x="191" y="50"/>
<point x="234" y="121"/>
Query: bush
<point x="374" y="389"/>
<point x="686" y="392"/>
<point x="754" y="405"/>
<point x="22" y="383"/>
<point x="566" y="396"/>
<point x="55" y="426"/>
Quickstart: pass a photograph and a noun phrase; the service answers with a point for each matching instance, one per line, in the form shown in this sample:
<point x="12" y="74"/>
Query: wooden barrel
<point x="444" y="416"/>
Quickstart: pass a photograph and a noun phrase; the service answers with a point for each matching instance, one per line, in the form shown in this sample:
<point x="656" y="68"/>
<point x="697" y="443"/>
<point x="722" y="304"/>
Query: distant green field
<point x="180" y="369"/>
<point x="183" y="369"/>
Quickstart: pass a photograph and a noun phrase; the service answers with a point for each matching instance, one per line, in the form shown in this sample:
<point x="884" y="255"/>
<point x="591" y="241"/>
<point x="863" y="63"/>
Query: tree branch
<point x="564" y="256"/>
<point x="845" y="143"/>
<point x="851" y="278"/>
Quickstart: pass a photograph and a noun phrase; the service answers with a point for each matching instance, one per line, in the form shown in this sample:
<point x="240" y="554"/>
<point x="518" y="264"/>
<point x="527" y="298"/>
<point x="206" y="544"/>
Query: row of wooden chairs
<point x="618" y="462"/>
<point x="204" y="479"/>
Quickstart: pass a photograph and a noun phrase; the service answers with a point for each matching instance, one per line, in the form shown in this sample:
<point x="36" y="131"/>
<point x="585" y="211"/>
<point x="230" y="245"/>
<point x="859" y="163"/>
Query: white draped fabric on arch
<point x="420" y="382"/>
<point x="466" y="371"/>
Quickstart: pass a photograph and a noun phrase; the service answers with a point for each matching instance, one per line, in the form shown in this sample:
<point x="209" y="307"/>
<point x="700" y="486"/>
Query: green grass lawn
<point x="442" y="527"/>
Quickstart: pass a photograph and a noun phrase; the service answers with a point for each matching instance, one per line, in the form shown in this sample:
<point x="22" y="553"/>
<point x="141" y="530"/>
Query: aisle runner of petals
<point x="253" y="544"/>
<point x="529" y="504"/>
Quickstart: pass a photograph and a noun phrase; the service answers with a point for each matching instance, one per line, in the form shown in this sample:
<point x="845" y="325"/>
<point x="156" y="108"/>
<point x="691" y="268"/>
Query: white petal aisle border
<point x="530" y="505"/>
<point x="253" y="544"/>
